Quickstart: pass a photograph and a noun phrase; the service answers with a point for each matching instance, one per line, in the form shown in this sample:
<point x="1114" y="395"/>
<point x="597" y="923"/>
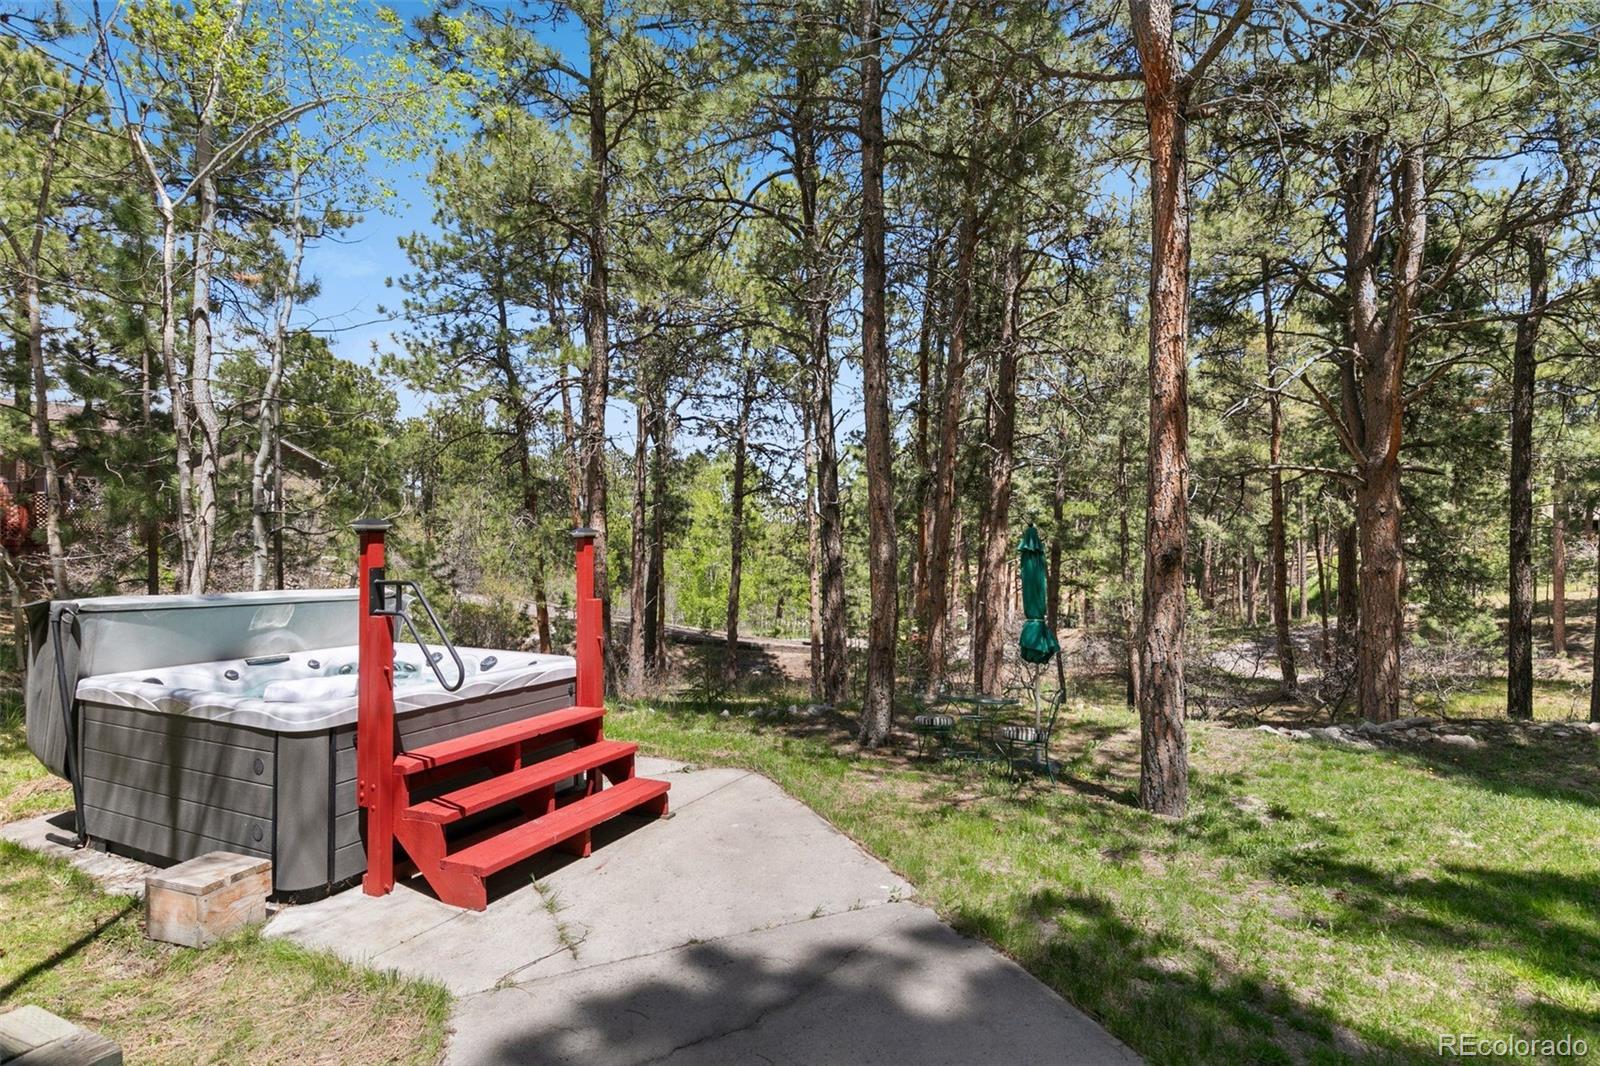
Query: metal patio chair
<point x="939" y="729"/>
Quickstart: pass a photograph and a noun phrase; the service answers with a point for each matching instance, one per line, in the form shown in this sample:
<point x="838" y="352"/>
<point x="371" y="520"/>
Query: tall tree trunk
<point x="1133" y="674"/>
<point x="572" y="446"/>
<point x="741" y="447"/>
<point x="1382" y="582"/>
<point x="830" y="527"/>
<point x="1300" y="553"/>
<point x="277" y="506"/>
<point x="150" y="525"/>
<point x="921" y="452"/>
<point x="988" y="653"/>
<point x="640" y="539"/>
<point x="1382" y="340"/>
<point x="961" y="576"/>
<point x="1349" y="602"/>
<point x="177" y="399"/>
<point x="1524" y="370"/>
<point x="1348" y="610"/>
<point x="1280" y="560"/>
<point x="263" y="520"/>
<point x="178" y="402"/>
<point x="1594" y="641"/>
<point x="207" y="422"/>
<point x="1558" y="564"/>
<point x="1250" y="583"/>
<point x="936" y="624"/>
<point x="31" y="266"/>
<point x="597" y="315"/>
<point x="883" y="566"/>
<point x="1058" y="499"/>
<point x="1163" y="749"/>
<point x="523" y="419"/>
<point x="656" y="582"/>
<point x="44" y="434"/>
<point x="152" y="557"/>
<point x="1322" y="591"/>
<point x="813" y="549"/>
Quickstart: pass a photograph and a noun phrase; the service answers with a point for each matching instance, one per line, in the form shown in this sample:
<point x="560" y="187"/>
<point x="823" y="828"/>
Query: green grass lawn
<point x="69" y="947"/>
<point x="1485" y="697"/>
<point x="1319" y="904"/>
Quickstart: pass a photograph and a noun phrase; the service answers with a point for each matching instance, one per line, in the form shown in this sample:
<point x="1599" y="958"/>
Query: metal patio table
<point x="984" y="713"/>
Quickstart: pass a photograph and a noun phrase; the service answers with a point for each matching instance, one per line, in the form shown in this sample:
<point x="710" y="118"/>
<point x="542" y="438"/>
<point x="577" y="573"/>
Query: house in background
<point x="21" y="496"/>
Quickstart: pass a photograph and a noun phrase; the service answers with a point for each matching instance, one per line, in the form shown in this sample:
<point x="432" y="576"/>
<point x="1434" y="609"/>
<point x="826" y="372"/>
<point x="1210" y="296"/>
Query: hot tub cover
<point x="70" y="639"/>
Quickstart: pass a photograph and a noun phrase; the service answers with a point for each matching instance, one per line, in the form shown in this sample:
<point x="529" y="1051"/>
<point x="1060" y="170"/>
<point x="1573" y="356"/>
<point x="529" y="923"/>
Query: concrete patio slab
<point x="476" y="950"/>
<point x="688" y="783"/>
<point x="743" y="857"/>
<point x="359" y="927"/>
<point x="744" y="928"/>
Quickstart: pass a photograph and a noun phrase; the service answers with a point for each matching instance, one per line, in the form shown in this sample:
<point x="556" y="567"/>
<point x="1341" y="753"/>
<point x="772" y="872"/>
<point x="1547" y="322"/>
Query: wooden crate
<point x="207" y="898"/>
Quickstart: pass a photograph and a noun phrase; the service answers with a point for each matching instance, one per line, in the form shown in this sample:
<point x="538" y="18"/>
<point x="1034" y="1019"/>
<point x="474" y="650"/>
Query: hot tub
<point x="255" y="753"/>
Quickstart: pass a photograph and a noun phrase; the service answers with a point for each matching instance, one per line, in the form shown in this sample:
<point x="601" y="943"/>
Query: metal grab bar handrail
<point x="381" y="607"/>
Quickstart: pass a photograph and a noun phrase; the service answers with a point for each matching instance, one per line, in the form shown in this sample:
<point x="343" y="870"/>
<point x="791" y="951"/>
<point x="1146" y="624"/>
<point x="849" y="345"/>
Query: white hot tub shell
<point x="314" y="690"/>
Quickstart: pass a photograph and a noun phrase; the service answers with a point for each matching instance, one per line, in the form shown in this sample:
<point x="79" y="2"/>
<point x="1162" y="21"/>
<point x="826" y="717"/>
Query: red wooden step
<point x="463" y="802"/>
<point x="530" y="838"/>
<point x="500" y="736"/>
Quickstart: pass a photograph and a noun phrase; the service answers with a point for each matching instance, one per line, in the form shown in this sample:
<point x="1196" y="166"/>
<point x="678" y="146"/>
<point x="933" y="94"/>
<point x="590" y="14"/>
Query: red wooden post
<point x="375" y="716"/>
<point x="590" y="688"/>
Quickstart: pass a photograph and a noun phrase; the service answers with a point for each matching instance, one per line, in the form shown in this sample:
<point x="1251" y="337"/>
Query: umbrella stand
<point x="1035" y="671"/>
<point x="1037" y="644"/>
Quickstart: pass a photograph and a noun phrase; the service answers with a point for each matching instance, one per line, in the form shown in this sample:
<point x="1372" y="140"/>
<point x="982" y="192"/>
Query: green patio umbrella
<point x="1038" y="643"/>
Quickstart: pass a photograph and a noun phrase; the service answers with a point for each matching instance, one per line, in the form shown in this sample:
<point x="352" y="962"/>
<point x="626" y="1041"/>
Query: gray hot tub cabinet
<point x="171" y="787"/>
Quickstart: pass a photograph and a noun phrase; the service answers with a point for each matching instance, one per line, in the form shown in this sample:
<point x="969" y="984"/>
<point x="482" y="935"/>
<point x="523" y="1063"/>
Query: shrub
<point x="495" y="624"/>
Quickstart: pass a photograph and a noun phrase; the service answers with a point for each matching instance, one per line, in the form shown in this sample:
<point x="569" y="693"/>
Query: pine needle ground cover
<point x="1320" y="904"/>
<point x="81" y="953"/>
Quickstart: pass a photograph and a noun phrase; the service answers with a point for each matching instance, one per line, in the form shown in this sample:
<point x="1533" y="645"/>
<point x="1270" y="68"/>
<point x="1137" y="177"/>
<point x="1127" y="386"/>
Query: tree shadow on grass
<point x="21" y="865"/>
<point x="1532" y="919"/>
<point x="65" y="952"/>
<point x="1509" y="761"/>
<point x="1544" y="767"/>
<point x="1186" y="1004"/>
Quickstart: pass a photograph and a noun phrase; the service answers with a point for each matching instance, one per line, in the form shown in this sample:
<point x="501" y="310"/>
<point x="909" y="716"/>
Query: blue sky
<point x="354" y="269"/>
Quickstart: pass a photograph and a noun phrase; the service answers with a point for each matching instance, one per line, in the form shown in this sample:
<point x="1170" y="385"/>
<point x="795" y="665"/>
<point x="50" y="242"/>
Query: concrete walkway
<point x="743" y="929"/>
